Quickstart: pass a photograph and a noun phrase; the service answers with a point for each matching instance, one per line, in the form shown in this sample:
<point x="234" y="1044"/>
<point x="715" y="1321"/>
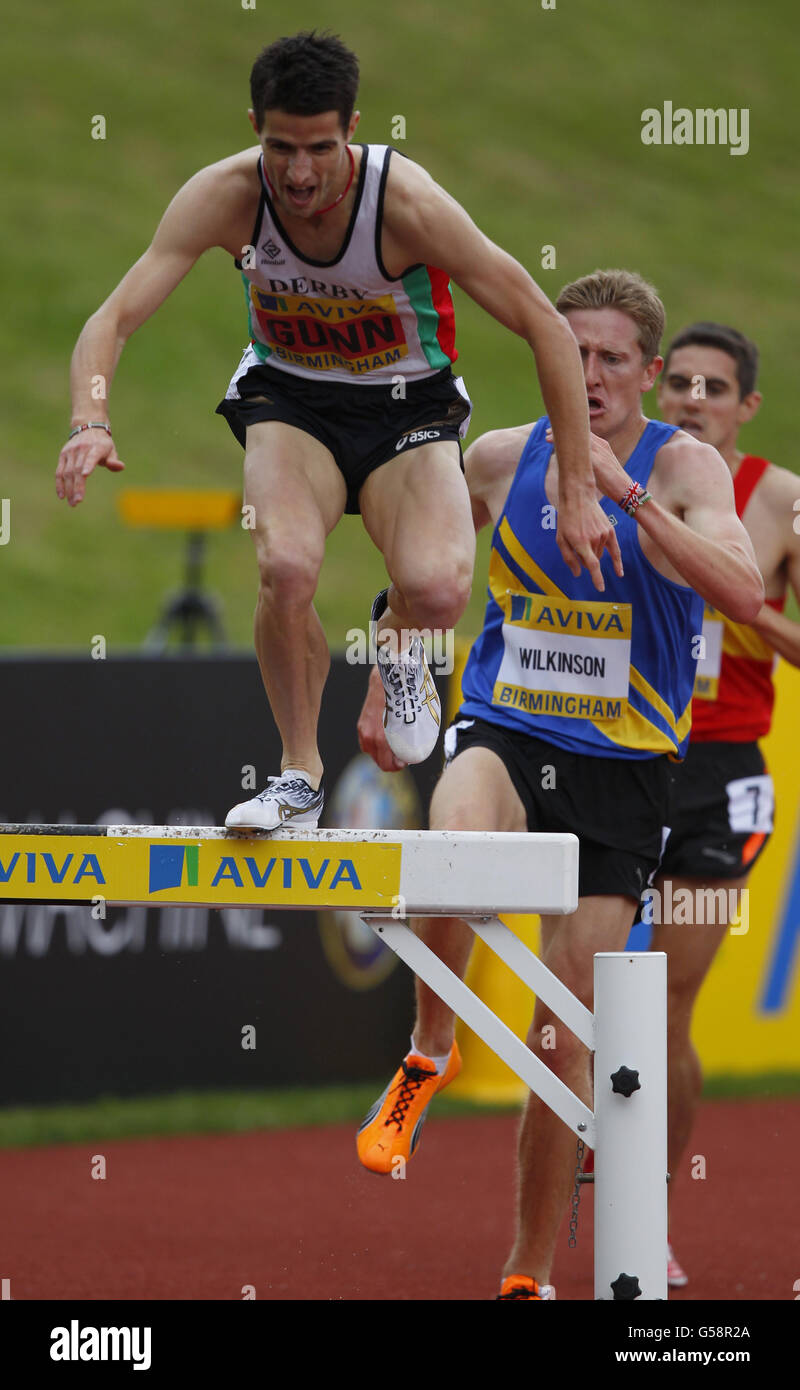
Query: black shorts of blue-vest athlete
<point x="615" y="806"/>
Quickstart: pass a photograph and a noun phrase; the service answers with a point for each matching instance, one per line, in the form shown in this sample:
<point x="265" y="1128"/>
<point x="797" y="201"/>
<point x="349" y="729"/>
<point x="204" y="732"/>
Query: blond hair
<point x="623" y="290"/>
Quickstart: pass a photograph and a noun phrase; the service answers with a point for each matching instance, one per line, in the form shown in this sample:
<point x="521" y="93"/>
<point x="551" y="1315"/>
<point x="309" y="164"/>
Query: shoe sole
<point x="268" y="829"/>
<point x="407" y="753"/>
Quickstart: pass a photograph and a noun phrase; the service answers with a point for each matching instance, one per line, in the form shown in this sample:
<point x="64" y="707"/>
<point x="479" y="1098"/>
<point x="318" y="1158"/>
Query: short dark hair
<point x="730" y="340"/>
<point x="305" y="75"/>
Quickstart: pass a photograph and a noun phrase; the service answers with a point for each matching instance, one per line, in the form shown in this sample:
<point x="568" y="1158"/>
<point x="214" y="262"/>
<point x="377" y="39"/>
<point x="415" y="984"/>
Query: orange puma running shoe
<point x="392" y="1127"/>
<point x="522" y="1286"/>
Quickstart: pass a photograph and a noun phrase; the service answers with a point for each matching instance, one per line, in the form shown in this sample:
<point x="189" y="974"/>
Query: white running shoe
<point x="413" y="714"/>
<point x="287" y="800"/>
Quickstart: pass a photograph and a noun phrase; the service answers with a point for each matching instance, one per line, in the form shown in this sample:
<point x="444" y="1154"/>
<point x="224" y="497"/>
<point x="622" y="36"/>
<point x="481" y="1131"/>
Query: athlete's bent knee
<point x="455" y="806"/>
<point x="437" y="601"/>
<point x="466" y="816"/>
<point x="288" y="577"/>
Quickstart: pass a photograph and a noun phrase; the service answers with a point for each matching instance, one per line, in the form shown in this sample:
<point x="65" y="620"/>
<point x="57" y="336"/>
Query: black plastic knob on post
<point x="624" y="1081"/>
<point x="626" y="1286"/>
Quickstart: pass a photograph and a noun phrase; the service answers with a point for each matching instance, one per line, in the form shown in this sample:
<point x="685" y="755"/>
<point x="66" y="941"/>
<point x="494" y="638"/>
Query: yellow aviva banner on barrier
<point x="747" y="1018"/>
<point x="214" y="871"/>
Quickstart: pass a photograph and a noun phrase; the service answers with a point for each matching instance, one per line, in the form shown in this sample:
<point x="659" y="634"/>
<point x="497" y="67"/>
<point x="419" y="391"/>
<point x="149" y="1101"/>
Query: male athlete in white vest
<point x="344" y="399"/>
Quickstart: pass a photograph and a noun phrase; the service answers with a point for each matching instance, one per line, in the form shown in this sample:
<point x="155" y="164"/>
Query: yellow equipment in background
<point x="747" y="1019"/>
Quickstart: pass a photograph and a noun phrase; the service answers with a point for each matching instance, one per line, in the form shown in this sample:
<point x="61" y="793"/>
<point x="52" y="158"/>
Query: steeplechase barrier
<point x="388" y="877"/>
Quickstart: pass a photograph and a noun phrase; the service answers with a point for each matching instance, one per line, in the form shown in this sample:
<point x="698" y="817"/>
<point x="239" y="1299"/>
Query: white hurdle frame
<point x="473" y="876"/>
<point x="628" y="1133"/>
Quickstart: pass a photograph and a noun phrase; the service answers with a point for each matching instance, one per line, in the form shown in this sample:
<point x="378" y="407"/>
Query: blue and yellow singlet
<point x="611" y="674"/>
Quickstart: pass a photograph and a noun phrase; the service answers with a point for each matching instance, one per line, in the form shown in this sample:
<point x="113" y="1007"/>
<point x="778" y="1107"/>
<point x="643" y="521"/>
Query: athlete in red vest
<point x="721" y="815"/>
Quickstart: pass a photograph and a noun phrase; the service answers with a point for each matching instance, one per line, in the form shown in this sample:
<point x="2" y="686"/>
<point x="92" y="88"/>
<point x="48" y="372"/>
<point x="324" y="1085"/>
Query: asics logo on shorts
<point x="416" y="437"/>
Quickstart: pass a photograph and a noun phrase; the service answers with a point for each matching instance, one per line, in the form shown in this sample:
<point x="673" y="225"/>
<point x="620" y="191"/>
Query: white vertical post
<point x="630" y="1177"/>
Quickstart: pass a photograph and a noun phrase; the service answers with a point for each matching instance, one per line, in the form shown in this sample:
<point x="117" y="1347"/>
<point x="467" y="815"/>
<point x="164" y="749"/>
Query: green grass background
<point x="230" y="1112"/>
<point x="530" y="117"/>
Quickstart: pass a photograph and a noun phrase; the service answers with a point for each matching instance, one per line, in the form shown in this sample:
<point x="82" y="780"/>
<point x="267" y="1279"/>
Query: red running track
<point x="292" y="1213"/>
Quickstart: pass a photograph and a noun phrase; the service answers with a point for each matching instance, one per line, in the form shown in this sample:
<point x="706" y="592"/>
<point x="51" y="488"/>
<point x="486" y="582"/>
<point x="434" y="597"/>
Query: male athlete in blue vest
<point x="573" y="701"/>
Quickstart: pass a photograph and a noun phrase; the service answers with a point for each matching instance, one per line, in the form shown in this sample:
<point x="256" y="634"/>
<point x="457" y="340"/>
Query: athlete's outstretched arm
<point x="696" y="528"/>
<point x="490" y="463"/>
<point x="433" y="229"/>
<point x="188" y="228"/>
<point x="782" y="633"/>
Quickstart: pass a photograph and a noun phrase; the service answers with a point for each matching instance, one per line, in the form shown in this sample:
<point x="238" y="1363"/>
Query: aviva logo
<point x="569" y="616"/>
<point x="178" y="866"/>
<point x="173" y="866"/>
<point x="45" y="868"/>
<point x="520" y="608"/>
<point x="329" y="875"/>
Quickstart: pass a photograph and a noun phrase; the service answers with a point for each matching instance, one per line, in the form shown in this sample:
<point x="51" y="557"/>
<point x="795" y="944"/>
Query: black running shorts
<point x="616" y="806"/>
<point x="721" y="812"/>
<point x="362" y="426"/>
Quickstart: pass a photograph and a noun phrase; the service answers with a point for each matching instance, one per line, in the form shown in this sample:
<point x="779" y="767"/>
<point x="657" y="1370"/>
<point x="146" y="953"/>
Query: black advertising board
<point x="156" y="1000"/>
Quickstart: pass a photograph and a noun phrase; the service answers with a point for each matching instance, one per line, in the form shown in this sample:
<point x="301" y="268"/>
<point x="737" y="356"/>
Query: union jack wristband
<point x="92" y="425"/>
<point x="634" y="498"/>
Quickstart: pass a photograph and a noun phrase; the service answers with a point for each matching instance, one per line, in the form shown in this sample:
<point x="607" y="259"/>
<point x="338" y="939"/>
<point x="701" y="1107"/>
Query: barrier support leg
<point x="484" y="1023"/>
<point x="630" y="1107"/>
